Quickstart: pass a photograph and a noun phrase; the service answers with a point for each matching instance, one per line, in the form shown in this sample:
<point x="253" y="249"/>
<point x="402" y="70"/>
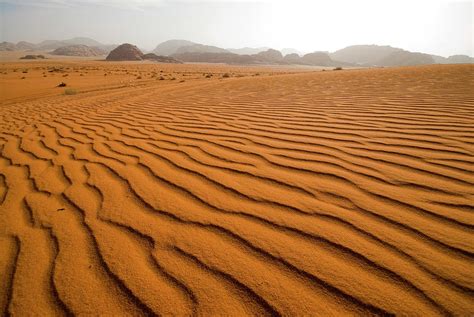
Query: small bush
<point x="70" y="91"/>
<point x="208" y="76"/>
<point x="62" y="84"/>
<point x="226" y="75"/>
<point x="139" y="77"/>
<point x="338" y="68"/>
<point x="162" y="78"/>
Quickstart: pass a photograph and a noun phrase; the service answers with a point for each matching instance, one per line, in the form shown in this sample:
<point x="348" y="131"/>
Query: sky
<point x="441" y="27"/>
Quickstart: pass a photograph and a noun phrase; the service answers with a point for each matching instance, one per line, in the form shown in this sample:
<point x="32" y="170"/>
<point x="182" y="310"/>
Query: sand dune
<point x="320" y="193"/>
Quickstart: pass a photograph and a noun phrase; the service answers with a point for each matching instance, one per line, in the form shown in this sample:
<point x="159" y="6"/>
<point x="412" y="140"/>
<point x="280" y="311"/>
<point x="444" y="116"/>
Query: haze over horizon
<point x="441" y="27"/>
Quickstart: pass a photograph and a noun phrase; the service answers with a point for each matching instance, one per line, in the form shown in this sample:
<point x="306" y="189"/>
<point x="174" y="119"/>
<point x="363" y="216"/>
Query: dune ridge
<point x="321" y="193"/>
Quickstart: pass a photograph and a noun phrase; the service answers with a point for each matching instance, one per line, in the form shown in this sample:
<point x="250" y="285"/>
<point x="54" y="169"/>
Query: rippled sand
<point x="324" y="193"/>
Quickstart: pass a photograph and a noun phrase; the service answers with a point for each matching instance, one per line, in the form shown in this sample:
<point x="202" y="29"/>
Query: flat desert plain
<point x="264" y="192"/>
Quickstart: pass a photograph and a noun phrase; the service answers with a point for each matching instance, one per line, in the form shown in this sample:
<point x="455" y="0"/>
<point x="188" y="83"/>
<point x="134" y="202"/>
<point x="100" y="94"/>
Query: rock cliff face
<point x="78" y="50"/>
<point x="125" y="52"/>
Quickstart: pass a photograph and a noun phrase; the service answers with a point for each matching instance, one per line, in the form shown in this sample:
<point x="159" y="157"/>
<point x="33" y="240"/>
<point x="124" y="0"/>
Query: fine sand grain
<point x="267" y="193"/>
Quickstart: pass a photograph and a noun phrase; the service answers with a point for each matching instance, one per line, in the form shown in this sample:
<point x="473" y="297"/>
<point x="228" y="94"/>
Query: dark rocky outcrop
<point x="33" y="57"/>
<point x="125" y="52"/>
<point x="161" y="59"/>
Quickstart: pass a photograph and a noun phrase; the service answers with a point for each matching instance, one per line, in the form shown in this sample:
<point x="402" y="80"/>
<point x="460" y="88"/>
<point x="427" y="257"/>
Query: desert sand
<point x="270" y="192"/>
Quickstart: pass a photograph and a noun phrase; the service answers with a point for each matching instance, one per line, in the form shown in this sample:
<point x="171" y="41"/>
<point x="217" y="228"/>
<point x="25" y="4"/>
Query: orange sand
<point x="321" y="193"/>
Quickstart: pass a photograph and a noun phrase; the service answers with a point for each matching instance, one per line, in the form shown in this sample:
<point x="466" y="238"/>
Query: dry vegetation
<point x="324" y="193"/>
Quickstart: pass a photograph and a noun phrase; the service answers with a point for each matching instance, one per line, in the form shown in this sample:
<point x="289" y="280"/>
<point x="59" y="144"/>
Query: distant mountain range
<point x="356" y="55"/>
<point x="56" y="44"/>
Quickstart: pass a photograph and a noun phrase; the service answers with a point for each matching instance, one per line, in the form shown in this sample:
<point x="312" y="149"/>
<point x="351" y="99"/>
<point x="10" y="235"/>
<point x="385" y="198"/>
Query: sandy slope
<point x="327" y="193"/>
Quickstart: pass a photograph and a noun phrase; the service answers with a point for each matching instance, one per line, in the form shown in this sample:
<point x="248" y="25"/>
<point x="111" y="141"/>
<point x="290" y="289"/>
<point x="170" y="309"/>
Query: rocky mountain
<point x="460" y="59"/>
<point x="405" y="58"/>
<point x="318" y="59"/>
<point x="227" y="58"/>
<point x="54" y="44"/>
<point x="247" y="50"/>
<point x="170" y="47"/>
<point x="23" y="46"/>
<point x="78" y="50"/>
<point x="364" y="55"/>
<point x="292" y="58"/>
<point x="200" y="48"/>
<point x="129" y="52"/>
<point x="287" y="51"/>
<point x="125" y="52"/>
<point x="270" y="56"/>
<point x="7" y="46"/>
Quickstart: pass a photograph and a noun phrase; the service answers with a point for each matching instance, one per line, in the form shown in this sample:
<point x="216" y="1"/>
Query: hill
<point x="405" y="58"/>
<point x="200" y="48"/>
<point x="247" y="50"/>
<point x="170" y="47"/>
<point x="7" y="46"/>
<point x="78" y="50"/>
<point x="366" y="55"/>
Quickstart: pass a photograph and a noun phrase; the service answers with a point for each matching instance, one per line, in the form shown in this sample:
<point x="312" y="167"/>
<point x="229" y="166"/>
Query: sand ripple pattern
<point x="328" y="193"/>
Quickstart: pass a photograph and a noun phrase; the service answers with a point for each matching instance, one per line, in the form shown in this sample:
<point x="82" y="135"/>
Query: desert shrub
<point x="338" y="68"/>
<point x="70" y="91"/>
<point x="139" y="77"/>
<point x="162" y="78"/>
<point x="23" y="77"/>
<point x="62" y="84"/>
<point x="257" y="74"/>
<point x="226" y="75"/>
<point x="25" y="71"/>
<point x="172" y="78"/>
<point x="208" y="76"/>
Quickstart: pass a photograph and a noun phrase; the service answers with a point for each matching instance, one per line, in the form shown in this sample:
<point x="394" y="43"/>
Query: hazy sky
<point x="443" y="27"/>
